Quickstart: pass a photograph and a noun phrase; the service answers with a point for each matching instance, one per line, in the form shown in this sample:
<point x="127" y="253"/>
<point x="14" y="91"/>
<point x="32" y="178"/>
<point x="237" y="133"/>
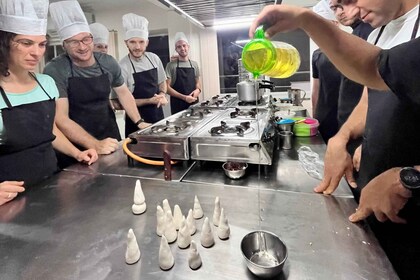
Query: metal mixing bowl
<point x="264" y="252"/>
<point x="235" y="170"/>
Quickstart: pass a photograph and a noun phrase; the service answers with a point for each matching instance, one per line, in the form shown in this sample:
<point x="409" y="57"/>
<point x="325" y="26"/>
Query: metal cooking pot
<point x="296" y="96"/>
<point x="250" y="91"/>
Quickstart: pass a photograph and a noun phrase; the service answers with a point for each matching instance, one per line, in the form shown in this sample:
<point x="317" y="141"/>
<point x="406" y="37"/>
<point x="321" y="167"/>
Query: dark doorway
<point x="160" y="46"/>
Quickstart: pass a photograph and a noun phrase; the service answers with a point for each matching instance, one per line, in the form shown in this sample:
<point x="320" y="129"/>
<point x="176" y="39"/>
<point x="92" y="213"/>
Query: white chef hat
<point x="180" y="36"/>
<point x="323" y="9"/>
<point x="100" y="33"/>
<point x="68" y="18"/>
<point x="135" y="26"/>
<point x="26" y="17"/>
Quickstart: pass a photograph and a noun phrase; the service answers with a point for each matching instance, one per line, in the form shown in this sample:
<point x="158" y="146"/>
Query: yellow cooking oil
<point x="271" y="58"/>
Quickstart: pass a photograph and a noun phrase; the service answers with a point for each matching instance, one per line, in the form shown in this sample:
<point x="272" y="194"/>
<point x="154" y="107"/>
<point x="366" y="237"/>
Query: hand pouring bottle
<point x="272" y="58"/>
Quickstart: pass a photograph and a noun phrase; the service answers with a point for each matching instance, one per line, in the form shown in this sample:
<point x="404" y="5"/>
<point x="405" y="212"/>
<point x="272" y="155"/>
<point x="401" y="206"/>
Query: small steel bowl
<point x="264" y="252"/>
<point x="235" y="170"/>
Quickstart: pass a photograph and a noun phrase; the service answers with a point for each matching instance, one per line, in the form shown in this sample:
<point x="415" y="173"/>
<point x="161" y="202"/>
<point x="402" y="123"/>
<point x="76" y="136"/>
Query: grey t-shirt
<point x="59" y="69"/>
<point x="171" y="69"/>
<point x="141" y="64"/>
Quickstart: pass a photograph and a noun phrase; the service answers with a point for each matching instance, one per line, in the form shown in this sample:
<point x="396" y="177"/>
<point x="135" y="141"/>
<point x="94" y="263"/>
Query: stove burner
<point x="216" y="100"/>
<point x="226" y="129"/>
<point x="206" y="111"/>
<point x="252" y="113"/>
<point x="251" y="103"/>
<point x="171" y="128"/>
<point x="195" y="113"/>
<point x="192" y="115"/>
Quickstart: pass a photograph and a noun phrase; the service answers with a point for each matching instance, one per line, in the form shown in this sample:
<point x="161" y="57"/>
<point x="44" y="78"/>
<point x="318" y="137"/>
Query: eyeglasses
<point x="334" y="8"/>
<point x="75" y="43"/>
<point x="26" y="43"/>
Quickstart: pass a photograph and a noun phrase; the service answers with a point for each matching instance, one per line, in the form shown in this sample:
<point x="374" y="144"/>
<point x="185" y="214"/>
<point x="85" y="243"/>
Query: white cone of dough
<point x="191" y="222"/>
<point x="139" y="206"/>
<point x="170" y="230"/>
<point x="184" y="237"/>
<point x="207" y="239"/>
<point x="166" y="207"/>
<point x="223" y="231"/>
<point x="132" y="254"/>
<point x="177" y="217"/>
<point x="160" y="220"/>
<point x="216" y="212"/>
<point x="166" y="259"/>
<point x="194" y="258"/>
<point x="138" y="193"/>
<point x="198" y="211"/>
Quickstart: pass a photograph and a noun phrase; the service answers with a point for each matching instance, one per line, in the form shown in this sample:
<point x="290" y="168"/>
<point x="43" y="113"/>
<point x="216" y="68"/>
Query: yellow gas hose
<point x="140" y="159"/>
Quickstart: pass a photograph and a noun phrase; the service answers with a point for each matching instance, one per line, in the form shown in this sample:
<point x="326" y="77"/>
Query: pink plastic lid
<point x="310" y="121"/>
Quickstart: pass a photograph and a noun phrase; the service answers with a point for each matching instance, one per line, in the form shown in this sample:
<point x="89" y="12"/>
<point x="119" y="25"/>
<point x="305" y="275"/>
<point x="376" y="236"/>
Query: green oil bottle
<point x="274" y="59"/>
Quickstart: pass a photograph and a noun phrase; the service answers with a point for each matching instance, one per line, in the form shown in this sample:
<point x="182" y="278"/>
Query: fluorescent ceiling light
<point x="235" y="23"/>
<point x="242" y="41"/>
<point x="184" y="13"/>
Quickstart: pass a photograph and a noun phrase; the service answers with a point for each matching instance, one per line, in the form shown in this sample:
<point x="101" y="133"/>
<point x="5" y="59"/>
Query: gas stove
<point x="218" y="101"/>
<point x="243" y="135"/>
<point x="263" y="102"/>
<point x="171" y="134"/>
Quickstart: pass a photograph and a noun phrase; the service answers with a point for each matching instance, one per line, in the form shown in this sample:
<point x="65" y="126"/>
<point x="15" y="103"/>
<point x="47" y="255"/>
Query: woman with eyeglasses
<point x="28" y="134"/>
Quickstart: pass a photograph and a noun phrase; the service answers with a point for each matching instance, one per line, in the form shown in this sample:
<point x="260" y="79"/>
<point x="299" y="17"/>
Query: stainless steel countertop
<point x="117" y="164"/>
<point x="74" y="226"/>
<point x="284" y="174"/>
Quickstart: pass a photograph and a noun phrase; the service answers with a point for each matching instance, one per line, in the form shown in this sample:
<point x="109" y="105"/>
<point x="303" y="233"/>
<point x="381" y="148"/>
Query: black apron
<point x="89" y="104"/>
<point x="329" y="85"/>
<point x="145" y="86"/>
<point x="26" y="151"/>
<point x="350" y="92"/>
<point x="392" y="133"/>
<point x="185" y="83"/>
<point x="89" y="107"/>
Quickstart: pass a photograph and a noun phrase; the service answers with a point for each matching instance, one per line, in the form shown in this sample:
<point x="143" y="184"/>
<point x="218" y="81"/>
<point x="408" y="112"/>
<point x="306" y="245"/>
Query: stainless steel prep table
<point x="285" y="174"/>
<point x="74" y="226"/>
<point x="117" y="164"/>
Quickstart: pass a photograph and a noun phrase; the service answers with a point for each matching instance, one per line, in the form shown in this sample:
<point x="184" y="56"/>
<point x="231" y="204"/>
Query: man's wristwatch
<point x="410" y="179"/>
<point x="139" y="122"/>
